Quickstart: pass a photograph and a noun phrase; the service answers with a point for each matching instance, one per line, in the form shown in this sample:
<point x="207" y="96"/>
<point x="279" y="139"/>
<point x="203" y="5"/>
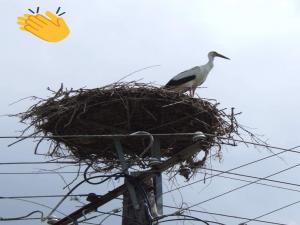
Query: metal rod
<point x="155" y="151"/>
<point x="124" y="165"/>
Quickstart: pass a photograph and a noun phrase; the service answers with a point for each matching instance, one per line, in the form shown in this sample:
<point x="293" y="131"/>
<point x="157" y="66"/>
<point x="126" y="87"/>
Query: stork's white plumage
<point x="190" y="79"/>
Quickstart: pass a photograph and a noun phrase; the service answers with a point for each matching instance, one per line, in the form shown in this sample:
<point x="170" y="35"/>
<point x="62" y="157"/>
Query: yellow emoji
<point x="51" y="28"/>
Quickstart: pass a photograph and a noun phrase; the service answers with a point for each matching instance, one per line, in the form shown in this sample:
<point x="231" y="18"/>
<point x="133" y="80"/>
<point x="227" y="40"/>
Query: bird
<point x="190" y="79"/>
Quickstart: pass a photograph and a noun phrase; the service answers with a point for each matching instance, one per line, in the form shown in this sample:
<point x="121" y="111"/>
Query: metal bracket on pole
<point x="124" y="165"/>
<point x="155" y="151"/>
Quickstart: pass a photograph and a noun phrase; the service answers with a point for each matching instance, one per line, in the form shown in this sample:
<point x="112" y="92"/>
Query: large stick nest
<point x="125" y="108"/>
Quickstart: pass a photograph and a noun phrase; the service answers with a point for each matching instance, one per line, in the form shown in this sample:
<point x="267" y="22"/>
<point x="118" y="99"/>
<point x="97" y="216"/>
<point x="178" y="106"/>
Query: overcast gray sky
<point x="110" y="39"/>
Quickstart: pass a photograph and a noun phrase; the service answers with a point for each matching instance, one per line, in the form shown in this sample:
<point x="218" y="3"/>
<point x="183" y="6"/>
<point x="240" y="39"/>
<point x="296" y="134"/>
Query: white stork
<point x="190" y="79"/>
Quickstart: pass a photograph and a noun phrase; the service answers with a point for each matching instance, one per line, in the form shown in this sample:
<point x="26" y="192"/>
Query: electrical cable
<point x="257" y="161"/>
<point x="22" y="217"/>
<point x="30" y="163"/>
<point x="220" y="176"/>
<point x="268" y="213"/>
<point x="235" y="168"/>
<point x="146" y="199"/>
<point x="149" y="146"/>
<point x="42" y="196"/>
<point x="142" y="134"/>
<point x="33" y="218"/>
<point x="167" y="206"/>
<point x="252" y="177"/>
<point x="263" y="184"/>
<point x="240" y="187"/>
<point x="225" y="215"/>
<point x="190" y="218"/>
<point x="38" y="173"/>
<point x="210" y="169"/>
<point x="107" y="177"/>
<point x="122" y="216"/>
<point x="290" y="150"/>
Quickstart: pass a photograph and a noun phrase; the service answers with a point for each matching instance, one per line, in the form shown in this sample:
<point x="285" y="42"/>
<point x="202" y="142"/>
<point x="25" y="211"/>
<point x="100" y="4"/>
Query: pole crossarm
<point x="181" y="155"/>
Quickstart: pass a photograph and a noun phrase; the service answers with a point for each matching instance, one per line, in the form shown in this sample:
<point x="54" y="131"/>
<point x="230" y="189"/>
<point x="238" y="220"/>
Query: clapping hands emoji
<point x="51" y="27"/>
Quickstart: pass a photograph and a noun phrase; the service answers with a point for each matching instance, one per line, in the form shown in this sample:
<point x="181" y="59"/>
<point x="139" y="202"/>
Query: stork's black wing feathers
<point x="180" y="81"/>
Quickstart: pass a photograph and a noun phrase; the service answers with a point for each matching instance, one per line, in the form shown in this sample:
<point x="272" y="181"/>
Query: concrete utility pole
<point x="146" y="201"/>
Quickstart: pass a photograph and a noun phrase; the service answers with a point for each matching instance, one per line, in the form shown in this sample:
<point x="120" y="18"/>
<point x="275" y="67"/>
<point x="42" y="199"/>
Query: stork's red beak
<point x="222" y="56"/>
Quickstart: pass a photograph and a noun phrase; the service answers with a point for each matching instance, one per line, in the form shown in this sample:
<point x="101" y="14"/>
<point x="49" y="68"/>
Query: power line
<point x="23" y="217"/>
<point x="42" y="196"/>
<point x="260" y="178"/>
<point x="192" y="210"/>
<point x="237" y="217"/>
<point x="263" y="184"/>
<point x="259" y="145"/>
<point x="188" y="218"/>
<point x="13" y="219"/>
<point x="146" y="135"/>
<point x="210" y="169"/>
<point x="240" y="187"/>
<point x="268" y="213"/>
<point x="103" y="135"/>
<point x="167" y="206"/>
<point x="252" y="177"/>
<point x="235" y="168"/>
<point x="214" y="170"/>
<point x="220" y="176"/>
<point x="218" y="214"/>
<point x="31" y="163"/>
<point x="39" y="173"/>
<point x="66" y="162"/>
<point x="116" y="192"/>
<point x="225" y="215"/>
